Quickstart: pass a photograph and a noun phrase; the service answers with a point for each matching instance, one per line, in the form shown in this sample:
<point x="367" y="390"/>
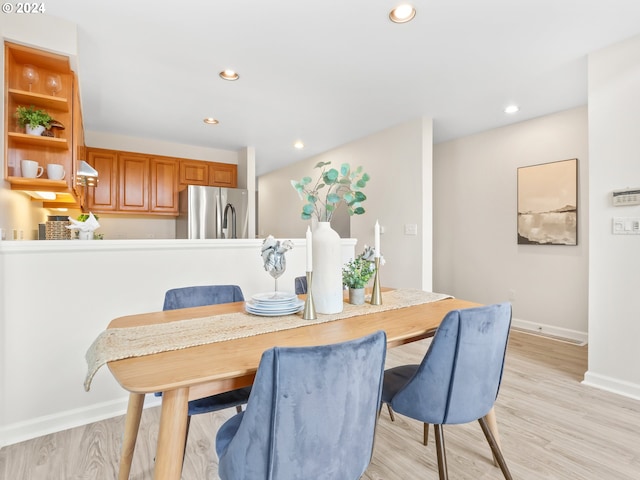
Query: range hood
<point x="86" y="175"/>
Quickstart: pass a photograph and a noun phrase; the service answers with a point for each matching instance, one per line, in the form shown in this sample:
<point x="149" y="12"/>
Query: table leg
<point x="492" y="423"/>
<point x="131" y="426"/>
<point x="171" y="438"/>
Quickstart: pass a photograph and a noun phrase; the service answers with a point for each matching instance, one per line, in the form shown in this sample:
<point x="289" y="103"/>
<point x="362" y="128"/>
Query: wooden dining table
<point x="200" y="371"/>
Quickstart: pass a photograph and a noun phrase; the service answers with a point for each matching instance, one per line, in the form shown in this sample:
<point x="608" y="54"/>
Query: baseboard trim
<point x="550" y="331"/>
<point x="613" y="385"/>
<point x="45" y="425"/>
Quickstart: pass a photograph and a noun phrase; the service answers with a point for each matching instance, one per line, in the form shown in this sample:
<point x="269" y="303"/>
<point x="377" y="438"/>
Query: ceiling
<point x="330" y="71"/>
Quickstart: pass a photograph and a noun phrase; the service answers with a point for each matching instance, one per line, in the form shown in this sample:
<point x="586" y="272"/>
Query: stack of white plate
<point x="273" y="304"/>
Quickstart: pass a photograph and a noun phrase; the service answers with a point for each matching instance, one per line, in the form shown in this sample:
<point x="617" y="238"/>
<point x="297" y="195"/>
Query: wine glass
<point x="30" y="75"/>
<point x="276" y="272"/>
<point x="54" y="84"/>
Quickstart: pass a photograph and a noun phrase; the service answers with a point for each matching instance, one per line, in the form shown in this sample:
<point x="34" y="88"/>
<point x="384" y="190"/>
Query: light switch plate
<point x="626" y="226"/>
<point x="411" y="229"/>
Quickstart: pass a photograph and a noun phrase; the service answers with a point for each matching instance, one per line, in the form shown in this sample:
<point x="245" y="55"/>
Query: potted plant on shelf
<point x="33" y="120"/>
<point x="356" y="274"/>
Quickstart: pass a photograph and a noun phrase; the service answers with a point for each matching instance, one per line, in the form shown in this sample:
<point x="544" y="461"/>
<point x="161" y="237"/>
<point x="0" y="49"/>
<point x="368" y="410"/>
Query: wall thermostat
<point x="628" y="196"/>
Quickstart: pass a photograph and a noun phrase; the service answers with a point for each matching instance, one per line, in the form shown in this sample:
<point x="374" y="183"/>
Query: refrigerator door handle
<point x="219" y="232"/>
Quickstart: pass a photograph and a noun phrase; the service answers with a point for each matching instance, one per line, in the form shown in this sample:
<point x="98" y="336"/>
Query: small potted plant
<point x="34" y="121"/>
<point x="356" y="274"/>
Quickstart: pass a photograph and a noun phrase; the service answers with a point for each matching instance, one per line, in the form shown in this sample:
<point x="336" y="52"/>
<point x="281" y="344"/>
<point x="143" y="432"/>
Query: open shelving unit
<point x="18" y="92"/>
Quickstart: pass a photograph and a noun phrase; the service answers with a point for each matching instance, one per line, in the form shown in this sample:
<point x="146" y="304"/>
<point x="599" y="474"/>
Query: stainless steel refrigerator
<point x="212" y="212"/>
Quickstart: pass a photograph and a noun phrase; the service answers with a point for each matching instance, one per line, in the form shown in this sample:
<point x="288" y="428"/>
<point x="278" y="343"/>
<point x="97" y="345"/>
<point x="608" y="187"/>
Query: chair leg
<point x="425" y="438"/>
<point x="440" y="452"/>
<point x="393" y="418"/>
<point x="495" y="449"/>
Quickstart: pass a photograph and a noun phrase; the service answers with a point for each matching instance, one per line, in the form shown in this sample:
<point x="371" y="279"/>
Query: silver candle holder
<point x="309" y="312"/>
<point x="376" y="295"/>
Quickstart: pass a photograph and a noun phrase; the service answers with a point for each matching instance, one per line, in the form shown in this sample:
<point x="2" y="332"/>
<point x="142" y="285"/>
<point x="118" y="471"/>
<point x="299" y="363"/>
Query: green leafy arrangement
<point x="356" y="273"/>
<point x="32" y="117"/>
<point x="341" y="186"/>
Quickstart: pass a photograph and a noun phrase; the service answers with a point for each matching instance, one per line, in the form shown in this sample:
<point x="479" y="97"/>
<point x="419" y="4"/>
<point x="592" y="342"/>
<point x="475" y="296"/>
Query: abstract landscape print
<point x="548" y="203"/>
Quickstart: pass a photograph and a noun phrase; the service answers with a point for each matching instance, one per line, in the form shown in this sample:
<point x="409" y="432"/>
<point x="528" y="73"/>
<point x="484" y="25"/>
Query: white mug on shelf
<point x="31" y="169"/>
<point x="55" y="171"/>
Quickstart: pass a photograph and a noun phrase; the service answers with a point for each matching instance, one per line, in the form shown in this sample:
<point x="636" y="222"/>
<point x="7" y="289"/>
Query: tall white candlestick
<point x="376" y="239"/>
<point x="309" y="251"/>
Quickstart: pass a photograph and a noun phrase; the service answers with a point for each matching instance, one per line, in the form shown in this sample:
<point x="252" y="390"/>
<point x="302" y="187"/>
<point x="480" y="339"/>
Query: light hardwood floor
<point x="551" y="427"/>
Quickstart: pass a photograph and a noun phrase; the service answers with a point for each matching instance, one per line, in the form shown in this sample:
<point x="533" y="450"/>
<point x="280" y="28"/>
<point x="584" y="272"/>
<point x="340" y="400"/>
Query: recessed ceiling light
<point x="402" y="13"/>
<point x="211" y="121"/>
<point x="229" y="75"/>
<point x="299" y="145"/>
<point x="512" y="109"/>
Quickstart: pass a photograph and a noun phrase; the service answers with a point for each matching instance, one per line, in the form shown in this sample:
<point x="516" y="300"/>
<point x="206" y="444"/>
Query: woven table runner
<point x="118" y="343"/>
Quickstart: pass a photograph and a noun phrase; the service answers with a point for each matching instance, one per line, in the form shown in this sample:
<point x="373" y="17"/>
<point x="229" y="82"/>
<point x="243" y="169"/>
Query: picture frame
<point x="548" y="203"/>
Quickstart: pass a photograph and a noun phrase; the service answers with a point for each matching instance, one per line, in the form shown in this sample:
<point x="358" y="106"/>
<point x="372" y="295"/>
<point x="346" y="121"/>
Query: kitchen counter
<point x="56" y="296"/>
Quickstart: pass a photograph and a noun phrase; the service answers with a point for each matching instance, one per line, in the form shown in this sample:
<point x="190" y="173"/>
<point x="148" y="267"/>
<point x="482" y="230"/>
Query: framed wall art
<point x="548" y="203"/>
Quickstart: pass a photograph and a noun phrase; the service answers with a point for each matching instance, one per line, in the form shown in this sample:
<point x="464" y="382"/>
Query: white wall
<point x="476" y="255"/>
<point x="158" y="147"/>
<point x="614" y="260"/>
<point x="121" y="227"/>
<point x="399" y="162"/>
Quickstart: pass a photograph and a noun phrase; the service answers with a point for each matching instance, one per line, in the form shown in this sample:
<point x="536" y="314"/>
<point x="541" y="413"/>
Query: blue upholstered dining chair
<point x="300" y="284"/>
<point x="201" y="295"/>
<point x="198" y="296"/>
<point x="312" y="414"/>
<point x="459" y="377"/>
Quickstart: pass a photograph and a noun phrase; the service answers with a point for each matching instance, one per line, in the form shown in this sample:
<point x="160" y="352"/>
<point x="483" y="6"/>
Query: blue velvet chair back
<point x="459" y="377"/>
<point x="311" y="414"/>
<point x="201" y="295"/>
<point x="300" y="284"/>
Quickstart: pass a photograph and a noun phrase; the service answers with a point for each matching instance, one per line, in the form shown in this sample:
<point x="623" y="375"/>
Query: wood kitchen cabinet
<point x="214" y="174"/>
<point x="104" y="196"/>
<point x="223" y="175"/>
<point x="164" y="185"/>
<point x="194" y="172"/>
<point x="139" y="183"/>
<point x="133" y="183"/>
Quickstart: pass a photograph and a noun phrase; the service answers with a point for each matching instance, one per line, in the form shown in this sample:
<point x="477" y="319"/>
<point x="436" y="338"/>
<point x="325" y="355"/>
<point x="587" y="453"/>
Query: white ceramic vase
<point x="327" y="269"/>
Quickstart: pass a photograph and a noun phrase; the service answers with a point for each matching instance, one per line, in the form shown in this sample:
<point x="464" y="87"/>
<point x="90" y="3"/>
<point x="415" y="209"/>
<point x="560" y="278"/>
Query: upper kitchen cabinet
<point x="133" y="183"/>
<point x="214" y="174"/>
<point x="104" y="196"/>
<point x="194" y="172"/>
<point x="133" y="187"/>
<point x="223" y="175"/>
<point x="163" y="185"/>
<point x="45" y="81"/>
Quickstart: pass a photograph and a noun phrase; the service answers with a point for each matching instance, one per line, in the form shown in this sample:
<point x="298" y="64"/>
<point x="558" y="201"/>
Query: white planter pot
<point x="34" y="131"/>
<point x="327" y="269"/>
